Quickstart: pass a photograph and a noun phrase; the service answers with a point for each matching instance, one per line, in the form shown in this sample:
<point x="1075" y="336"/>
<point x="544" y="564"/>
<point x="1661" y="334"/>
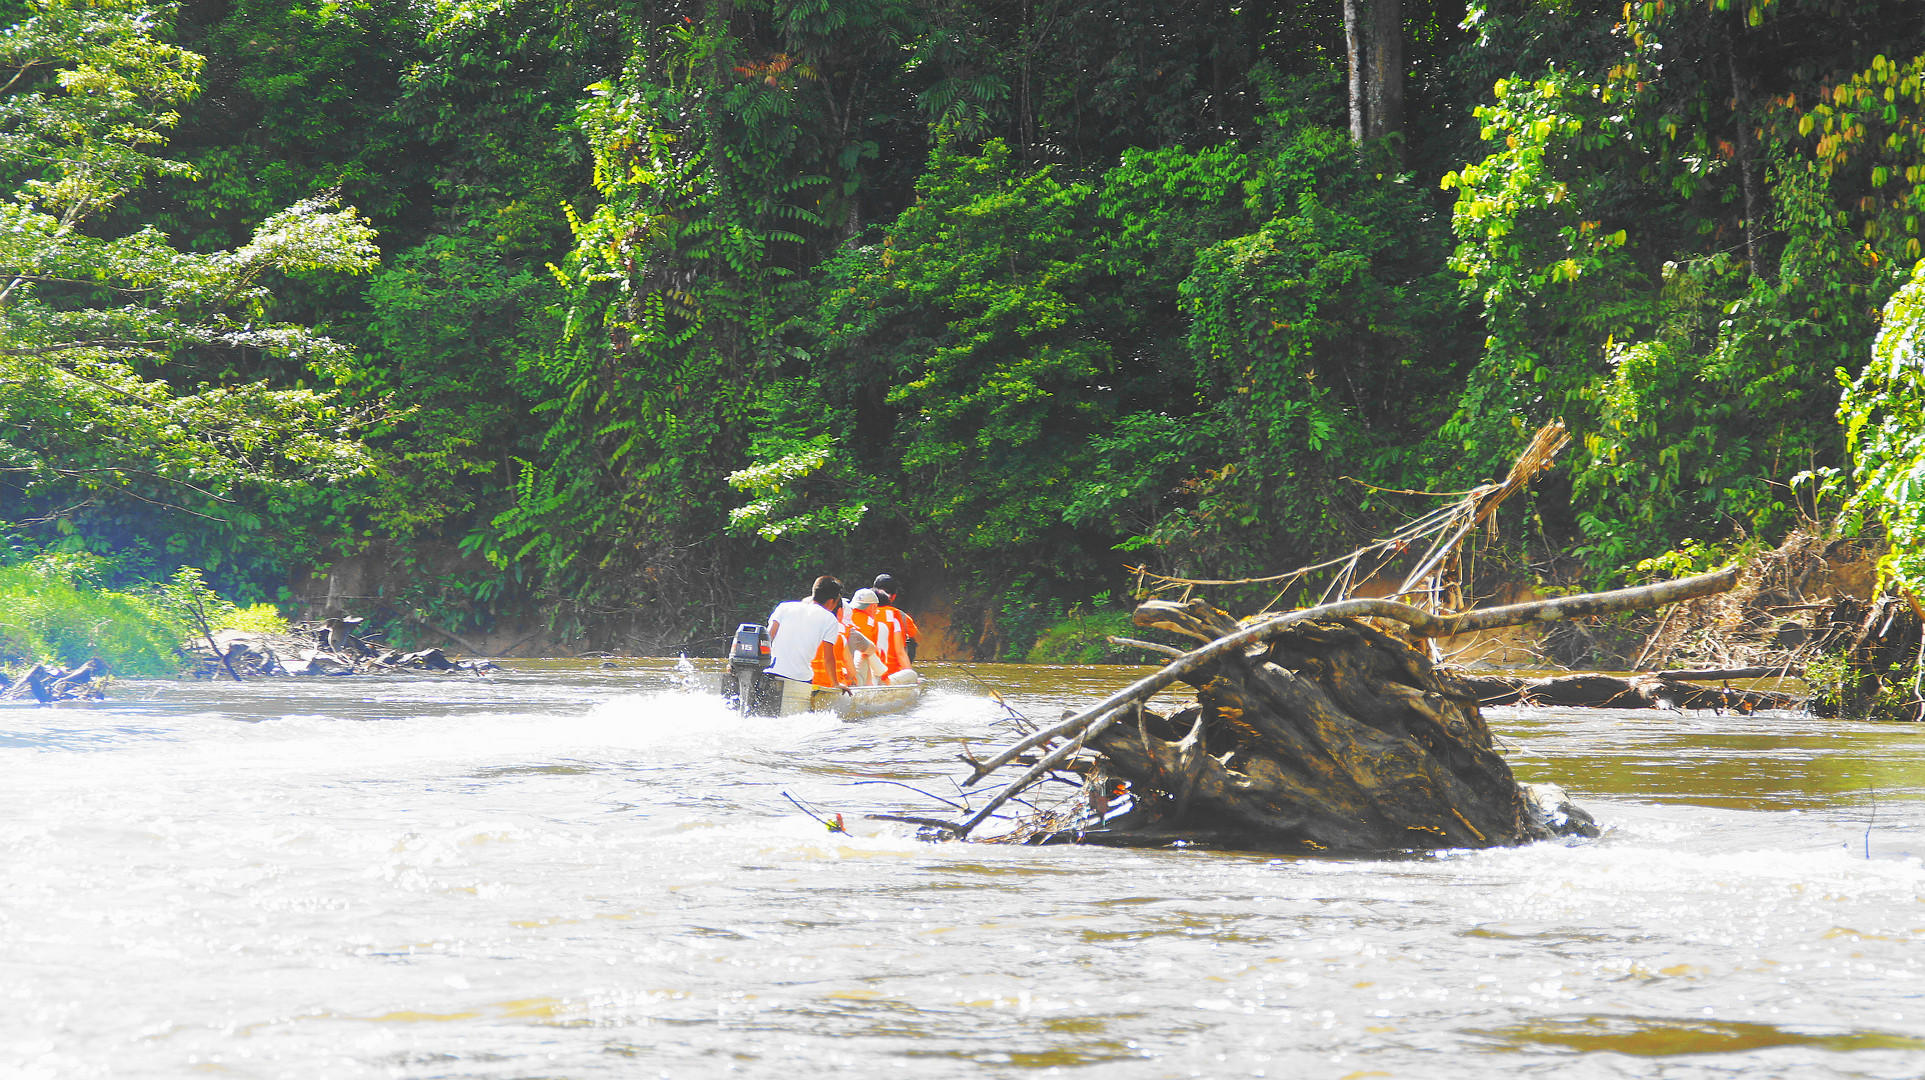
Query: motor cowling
<point x="748" y="688"/>
<point x="750" y="647"/>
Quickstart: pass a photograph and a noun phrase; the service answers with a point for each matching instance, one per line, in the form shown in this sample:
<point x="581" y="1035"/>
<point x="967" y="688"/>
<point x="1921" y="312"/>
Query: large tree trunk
<point x="1386" y="91"/>
<point x="1745" y="153"/>
<point x="1334" y="736"/>
<point x="1353" y="37"/>
<point x="1374" y="42"/>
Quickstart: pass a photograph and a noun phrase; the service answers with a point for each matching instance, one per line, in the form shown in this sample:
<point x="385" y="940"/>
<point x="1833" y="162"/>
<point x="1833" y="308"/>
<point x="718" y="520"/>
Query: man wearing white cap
<point x="870" y="665"/>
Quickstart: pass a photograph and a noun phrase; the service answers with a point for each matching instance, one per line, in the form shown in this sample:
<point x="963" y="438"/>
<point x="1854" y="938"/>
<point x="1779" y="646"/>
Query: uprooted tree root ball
<point x="1312" y="730"/>
<point x="1334" y="736"/>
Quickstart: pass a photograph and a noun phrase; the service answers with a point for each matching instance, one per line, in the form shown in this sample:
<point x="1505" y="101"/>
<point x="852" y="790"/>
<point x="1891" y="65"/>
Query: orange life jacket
<point x="820" y="666"/>
<point x="902" y="628"/>
<point x="877" y="629"/>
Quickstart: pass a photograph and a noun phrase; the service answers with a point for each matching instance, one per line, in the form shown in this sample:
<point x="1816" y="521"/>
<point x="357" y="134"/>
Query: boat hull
<point x="753" y="693"/>
<point x="863" y="701"/>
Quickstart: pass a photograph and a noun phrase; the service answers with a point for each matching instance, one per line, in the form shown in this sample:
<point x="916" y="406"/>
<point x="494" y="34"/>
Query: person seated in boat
<point x="904" y="634"/>
<point x="823" y="667"/>
<point x="797" y="631"/>
<point x="831" y="675"/>
<point x="866" y="624"/>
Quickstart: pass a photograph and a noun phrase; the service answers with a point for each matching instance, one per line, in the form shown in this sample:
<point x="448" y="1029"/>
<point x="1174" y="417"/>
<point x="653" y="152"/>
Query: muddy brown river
<point x="575" y="871"/>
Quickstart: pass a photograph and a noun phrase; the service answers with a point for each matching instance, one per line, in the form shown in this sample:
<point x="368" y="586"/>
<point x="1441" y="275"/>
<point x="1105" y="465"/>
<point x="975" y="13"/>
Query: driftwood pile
<point x="332" y="647"/>
<point x="1315" y="730"/>
<point x="1747" y="626"/>
<point x="326" y="648"/>
<point x="1884" y="661"/>
<point x="47" y="685"/>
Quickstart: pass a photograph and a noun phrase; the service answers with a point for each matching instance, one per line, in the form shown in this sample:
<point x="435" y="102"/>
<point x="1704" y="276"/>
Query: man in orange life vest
<point x="901" y="651"/>
<point x="866" y="621"/>
<point x="851" y="648"/>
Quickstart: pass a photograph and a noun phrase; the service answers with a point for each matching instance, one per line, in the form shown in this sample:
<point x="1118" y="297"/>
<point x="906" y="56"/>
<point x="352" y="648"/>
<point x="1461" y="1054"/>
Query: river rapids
<point x="569" y="870"/>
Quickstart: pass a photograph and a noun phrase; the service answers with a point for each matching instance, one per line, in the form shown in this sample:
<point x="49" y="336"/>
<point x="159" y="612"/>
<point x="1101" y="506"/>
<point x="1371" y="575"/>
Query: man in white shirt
<point x="796" y="629"/>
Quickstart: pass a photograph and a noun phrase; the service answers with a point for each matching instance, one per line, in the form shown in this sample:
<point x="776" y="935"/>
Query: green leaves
<point x="88" y="87"/>
<point x="1884" y="415"/>
<point x="968" y="310"/>
<point x="781" y="485"/>
<point x="1675" y="241"/>
<point x="87" y="319"/>
<point x="708" y="160"/>
<point x="59" y="611"/>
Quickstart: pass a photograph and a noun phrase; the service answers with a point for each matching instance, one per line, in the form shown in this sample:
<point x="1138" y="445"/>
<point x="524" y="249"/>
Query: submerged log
<point x="1782" y="671"/>
<point x="432" y="659"/>
<point x="49" y="685"/>
<point x="79" y="683"/>
<point x="32" y="683"/>
<point x="1315" y="730"/>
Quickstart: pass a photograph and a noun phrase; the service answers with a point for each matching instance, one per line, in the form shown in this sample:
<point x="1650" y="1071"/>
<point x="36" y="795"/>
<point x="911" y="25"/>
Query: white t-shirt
<point x="800" y="626"/>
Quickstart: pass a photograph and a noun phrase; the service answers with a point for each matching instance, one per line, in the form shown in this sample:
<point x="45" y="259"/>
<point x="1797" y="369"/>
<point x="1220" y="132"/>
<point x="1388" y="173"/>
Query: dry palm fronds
<point x="1438" y="574"/>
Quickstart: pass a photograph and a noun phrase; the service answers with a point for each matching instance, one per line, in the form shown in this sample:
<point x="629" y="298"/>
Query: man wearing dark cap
<point x="903" y="641"/>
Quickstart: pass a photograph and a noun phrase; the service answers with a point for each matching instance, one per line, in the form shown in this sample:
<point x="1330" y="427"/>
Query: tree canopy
<point x="644" y="312"/>
<point x="107" y="419"/>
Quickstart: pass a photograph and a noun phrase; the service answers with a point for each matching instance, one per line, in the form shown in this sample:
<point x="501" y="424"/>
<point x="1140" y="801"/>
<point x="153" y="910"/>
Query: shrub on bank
<point x="55" y="610"/>
<point x="1083" y="638"/>
<point x="47" y="620"/>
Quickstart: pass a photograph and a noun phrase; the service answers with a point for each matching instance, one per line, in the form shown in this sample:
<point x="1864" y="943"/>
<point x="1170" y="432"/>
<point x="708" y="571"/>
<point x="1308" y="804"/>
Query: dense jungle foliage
<point x="635" y="316"/>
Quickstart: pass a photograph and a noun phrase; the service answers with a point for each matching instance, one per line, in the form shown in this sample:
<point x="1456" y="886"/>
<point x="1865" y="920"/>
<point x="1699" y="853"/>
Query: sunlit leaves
<point x="87" y="319"/>
<point x="1884" y="414"/>
<point x="89" y="87"/>
<point x="781" y="508"/>
<point x="1773" y="203"/>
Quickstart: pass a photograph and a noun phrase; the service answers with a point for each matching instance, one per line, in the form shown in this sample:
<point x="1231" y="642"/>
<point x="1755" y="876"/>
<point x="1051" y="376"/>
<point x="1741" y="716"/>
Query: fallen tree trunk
<point x="1782" y="671"/>
<point x="1660" y="690"/>
<point x="32" y="683"/>
<point x="77" y="683"/>
<point x="1317" y="730"/>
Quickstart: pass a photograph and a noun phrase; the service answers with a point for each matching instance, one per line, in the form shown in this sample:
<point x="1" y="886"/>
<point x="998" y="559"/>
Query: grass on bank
<point x="1083" y="638"/>
<point x="54" y="610"/>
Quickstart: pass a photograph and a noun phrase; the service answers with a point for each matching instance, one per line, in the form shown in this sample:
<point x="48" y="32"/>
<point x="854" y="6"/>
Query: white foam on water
<point x="614" y="884"/>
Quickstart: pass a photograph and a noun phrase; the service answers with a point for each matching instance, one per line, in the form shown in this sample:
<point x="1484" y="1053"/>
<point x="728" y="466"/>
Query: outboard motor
<point x="745" y="687"/>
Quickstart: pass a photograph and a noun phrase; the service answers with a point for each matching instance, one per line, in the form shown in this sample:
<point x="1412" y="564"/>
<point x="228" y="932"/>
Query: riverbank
<point x="1806" y="605"/>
